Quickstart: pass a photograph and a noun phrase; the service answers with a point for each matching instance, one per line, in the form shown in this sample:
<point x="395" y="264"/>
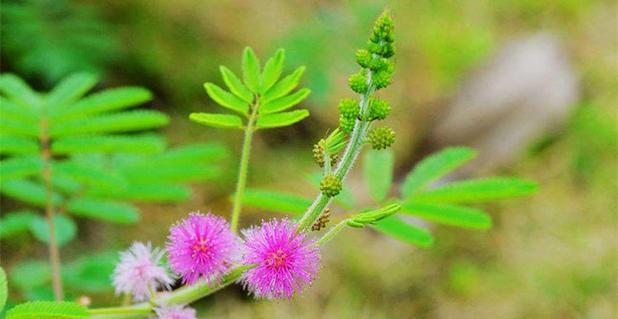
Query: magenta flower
<point x="140" y="272"/>
<point x="202" y="245"/>
<point x="285" y="260"/>
<point x="175" y="312"/>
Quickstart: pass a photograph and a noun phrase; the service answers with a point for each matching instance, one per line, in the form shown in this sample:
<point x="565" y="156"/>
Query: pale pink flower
<point x="175" y="312"/>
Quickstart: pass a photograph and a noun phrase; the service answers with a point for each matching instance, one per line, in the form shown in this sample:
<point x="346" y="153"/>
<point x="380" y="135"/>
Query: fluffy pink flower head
<point x="175" y="312"/>
<point x="285" y="260"/>
<point x="140" y="272"/>
<point x="202" y="245"/>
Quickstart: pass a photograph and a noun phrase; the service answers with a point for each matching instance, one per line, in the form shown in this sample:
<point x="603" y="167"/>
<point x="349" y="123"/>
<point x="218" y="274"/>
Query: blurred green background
<point x="554" y="255"/>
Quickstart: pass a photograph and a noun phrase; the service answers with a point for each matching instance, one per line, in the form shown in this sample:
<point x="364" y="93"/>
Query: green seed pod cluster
<point x="363" y="58"/>
<point x="346" y="124"/>
<point x="358" y="82"/>
<point x="378" y="109"/>
<point x="318" y="155"/>
<point x="382" y="37"/>
<point x="381" y="138"/>
<point x="379" y="64"/>
<point x="330" y="185"/>
<point x="349" y="108"/>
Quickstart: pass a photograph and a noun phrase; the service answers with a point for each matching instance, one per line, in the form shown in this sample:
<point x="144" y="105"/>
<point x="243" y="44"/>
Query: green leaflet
<point x="283" y="87"/>
<point x="104" y="210"/>
<point x="226" y="99"/>
<point x="64" y="226"/>
<point x="448" y="214"/>
<point x="48" y="310"/>
<point x="235" y="85"/>
<point x="373" y="216"/>
<point x="217" y="120"/>
<point x="4" y="292"/>
<point x="251" y="70"/>
<point x="281" y="119"/>
<point x="378" y="173"/>
<point x="12" y="111"/>
<point x="434" y="167"/>
<point x="275" y="201"/>
<point x="20" y="167"/>
<point x="100" y="102"/>
<point x="110" y="123"/>
<point x="88" y="174"/>
<point x="70" y="89"/>
<point x="16" y="222"/>
<point x="152" y="173"/>
<point x="17" y="145"/>
<point x="28" y="191"/>
<point x="145" y="193"/>
<point x="139" y="144"/>
<point x="12" y="127"/>
<point x="478" y="190"/>
<point x="272" y="70"/>
<point x="284" y="103"/>
<point x="18" y="91"/>
<point x="30" y="274"/>
<point x="405" y="232"/>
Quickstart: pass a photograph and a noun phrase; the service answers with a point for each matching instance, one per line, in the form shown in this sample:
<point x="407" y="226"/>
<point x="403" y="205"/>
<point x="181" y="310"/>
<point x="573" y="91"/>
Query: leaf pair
<point x="259" y="96"/>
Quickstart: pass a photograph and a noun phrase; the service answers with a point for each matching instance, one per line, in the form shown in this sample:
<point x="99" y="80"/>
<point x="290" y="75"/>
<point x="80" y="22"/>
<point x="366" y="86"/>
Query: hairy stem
<point x="331" y="233"/>
<point x="242" y="171"/>
<point x="54" y="253"/>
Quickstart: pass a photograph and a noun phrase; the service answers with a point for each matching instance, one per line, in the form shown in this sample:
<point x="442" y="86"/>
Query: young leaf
<point x="16" y="222"/>
<point x="64" y="226"/>
<point x="284" y="103"/>
<point x="405" y="232"/>
<point x="235" y="85"/>
<point x="434" y="167"/>
<point x="283" y="87"/>
<point x="104" y="210"/>
<point x="226" y="99"/>
<point x="110" y="123"/>
<point x="104" y="101"/>
<point x="30" y="274"/>
<point x="145" y="193"/>
<point x="18" y="145"/>
<point x="20" y="167"/>
<point x="275" y="201"/>
<point x="378" y="173"/>
<point x="28" y="191"/>
<point x="251" y="70"/>
<point x="3" y="289"/>
<point x="272" y="70"/>
<point x="138" y="144"/>
<point x="18" y="91"/>
<point x="281" y="119"/>
<point x="479" y="190"/>
<point x="70" y="89"/>
<point x="48" y="310"/>
<point x="217" y="120"/>
<point x="448" y="214"/>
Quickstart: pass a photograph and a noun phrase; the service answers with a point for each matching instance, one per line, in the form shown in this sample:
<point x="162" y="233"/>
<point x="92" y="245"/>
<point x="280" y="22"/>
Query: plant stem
<point x="54" y="253"/>
<point x="242" y="171"/>
<point x="331" y="232"/>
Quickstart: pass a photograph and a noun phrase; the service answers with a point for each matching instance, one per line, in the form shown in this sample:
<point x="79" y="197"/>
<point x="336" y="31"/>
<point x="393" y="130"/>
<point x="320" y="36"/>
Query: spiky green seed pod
<point x="346" y="124"/>
<point x="358" y="82"/>
<point x="383" y="28"/>
<point x="379" y="109"/>
<point x="381" y="138"/>
<point x="349" y="108"/>
<point x="330" y="185"/>
<point x="318" y="155"/>
<point x="378" y="64"/>
<point x="383" y="49"/>
<point x="382" y="79"/>
<point x="363" y="58"/>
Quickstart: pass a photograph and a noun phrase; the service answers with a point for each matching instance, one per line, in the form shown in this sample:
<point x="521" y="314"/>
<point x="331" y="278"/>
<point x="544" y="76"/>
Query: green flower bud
<point x="381" y="138"/>
<point x="358" y="82"/>
<point x="318" y="155"/>
<point x="379" y="109"/>
<point x="382" y="79"/>
<point x="379" y="64"/>
<point x="349" y="108"/>
<point x="383" y="28"/>
<point x="330" y="185"/>
<point x="346" y="124"/>
<point x="363" y="58"/>
<point x="383" y="49"/>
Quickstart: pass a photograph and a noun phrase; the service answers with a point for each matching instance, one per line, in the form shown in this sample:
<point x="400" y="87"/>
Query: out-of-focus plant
<point x="51" y="39"/>
<point x="85" y="157"/>
<point x="280" y="257"/>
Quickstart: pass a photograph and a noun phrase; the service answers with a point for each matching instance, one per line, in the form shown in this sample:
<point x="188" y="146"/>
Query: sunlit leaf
<point x="434" y="167"/>
<point x="235" y="85"/>
<point x="378" y="173"/>
<point x="448" y="214"/>
<point x="48" y="310"/>
<point x="478" y="190"/>
<point x="284" y="103"/>
<point x="110" y="123"/>
<point x="70" y="89"/>
<point x="283" y="87"/>
<point x="405" y="232"/>
<point x="281" y="119"/>
<point x="18" y="145"/>
<point x="20" y="167"/>
<point x="272" y="70"/>
<point x="217" y="120"/>
<point x="18" y="91"/>
<point x="226" y="99"/>
<point x="251" y="70"/>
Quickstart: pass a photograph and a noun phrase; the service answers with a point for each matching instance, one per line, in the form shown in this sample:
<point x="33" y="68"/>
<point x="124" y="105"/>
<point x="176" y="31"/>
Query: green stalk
<point x="331" y="233"/>
<point x="243" y="170"/>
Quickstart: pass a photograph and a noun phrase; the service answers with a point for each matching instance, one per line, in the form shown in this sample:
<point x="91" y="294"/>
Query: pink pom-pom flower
<point x="140" y="272"/>
<point x="175" y="312"/>
<point x="202" y="246"/>
<point x="285" y="260"/>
